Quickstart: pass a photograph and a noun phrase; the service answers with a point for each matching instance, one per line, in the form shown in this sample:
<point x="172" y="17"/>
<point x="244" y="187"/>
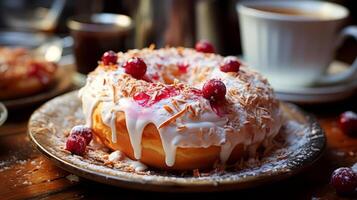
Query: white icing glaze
<point x="116" y="156"/>
<point x="88" y="108"/>
<point x="207" y="130"/>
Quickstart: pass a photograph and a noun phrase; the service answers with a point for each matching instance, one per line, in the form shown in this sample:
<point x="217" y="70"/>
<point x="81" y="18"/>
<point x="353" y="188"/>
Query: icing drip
<point x="135" y="123"/>
<point x="88" y="107"/>
<point x="169" y="144"/>
<point x="137" y="118"/>
<point x="226" y="151"/>
<point x="195" y="124"/>
<point x="119" y="156"/>
<point x="113" y="127"/>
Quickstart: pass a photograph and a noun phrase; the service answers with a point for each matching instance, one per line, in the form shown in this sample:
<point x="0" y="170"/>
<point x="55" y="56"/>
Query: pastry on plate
<point x="22" y="74"/>
<point x="180" y="108"/>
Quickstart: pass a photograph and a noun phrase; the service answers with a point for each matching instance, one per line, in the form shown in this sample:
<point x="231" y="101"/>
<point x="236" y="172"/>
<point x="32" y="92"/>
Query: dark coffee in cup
<point x="292" y="11"/>
<point x="95" y="34"/>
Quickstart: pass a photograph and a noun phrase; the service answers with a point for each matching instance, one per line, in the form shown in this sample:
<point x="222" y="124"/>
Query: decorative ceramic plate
<point x="299" y="143"/>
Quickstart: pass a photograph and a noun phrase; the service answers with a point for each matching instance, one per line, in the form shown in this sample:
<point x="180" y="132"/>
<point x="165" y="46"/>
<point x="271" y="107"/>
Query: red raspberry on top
<point x="136" y="67"/>
<point x="230" y="64"/>
<point x="109" y="57"/>
<point x="214" y="90"/>
<point x="204" y="46"/>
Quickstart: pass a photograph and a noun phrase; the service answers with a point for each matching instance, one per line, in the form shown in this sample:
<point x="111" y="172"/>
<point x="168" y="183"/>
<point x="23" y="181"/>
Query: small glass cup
<point x="95" y="34"/>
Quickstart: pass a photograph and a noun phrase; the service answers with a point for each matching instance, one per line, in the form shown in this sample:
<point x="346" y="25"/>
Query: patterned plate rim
<point x="316" y="144"/>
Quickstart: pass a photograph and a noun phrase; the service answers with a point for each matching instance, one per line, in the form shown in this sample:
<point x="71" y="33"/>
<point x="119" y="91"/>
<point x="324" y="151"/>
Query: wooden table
<point x="25" y="173"/>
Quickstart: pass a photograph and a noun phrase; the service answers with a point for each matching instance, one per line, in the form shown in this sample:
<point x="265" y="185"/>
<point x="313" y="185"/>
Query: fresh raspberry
<point x="214" y="90"/>
<point x="76" y="145"/>
<point x="348" y="123"/>
<point x="344" y="180"/>
<point x="82" y="131"/>
<point x="230" y="64"/>
<point x="136" y="67"/>
<point x="109" y="57"/>
<point x="204" y="47"/>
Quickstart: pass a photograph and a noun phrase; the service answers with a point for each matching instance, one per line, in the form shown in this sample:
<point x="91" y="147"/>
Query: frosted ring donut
<point x="163" y="119"/>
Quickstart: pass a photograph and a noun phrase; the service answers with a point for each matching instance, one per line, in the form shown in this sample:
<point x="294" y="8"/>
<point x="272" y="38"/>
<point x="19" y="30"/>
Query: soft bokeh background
<point x="162" y="22"/>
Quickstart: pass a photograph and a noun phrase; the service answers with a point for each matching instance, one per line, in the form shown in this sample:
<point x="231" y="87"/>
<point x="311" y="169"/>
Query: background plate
<point x="299" y="143"/>
<point x="63" y="83"/>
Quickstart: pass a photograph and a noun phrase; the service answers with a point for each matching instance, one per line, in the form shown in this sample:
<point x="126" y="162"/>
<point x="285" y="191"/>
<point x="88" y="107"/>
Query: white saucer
<point x="319" y="94"/>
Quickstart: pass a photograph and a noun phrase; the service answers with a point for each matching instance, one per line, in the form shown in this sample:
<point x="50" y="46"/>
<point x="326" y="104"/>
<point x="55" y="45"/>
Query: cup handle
<point x="350" y="31"/>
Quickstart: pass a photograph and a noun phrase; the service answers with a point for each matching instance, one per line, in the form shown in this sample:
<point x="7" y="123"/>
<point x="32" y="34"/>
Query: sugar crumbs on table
<point x="27" y="183"/>
<point x="21" y="162"/>
<point x="4" y="168"/>
<point x="72" y="178"/>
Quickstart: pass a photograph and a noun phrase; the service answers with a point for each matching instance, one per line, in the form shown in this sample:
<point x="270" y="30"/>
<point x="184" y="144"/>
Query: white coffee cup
<point x="293" y="42"/>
